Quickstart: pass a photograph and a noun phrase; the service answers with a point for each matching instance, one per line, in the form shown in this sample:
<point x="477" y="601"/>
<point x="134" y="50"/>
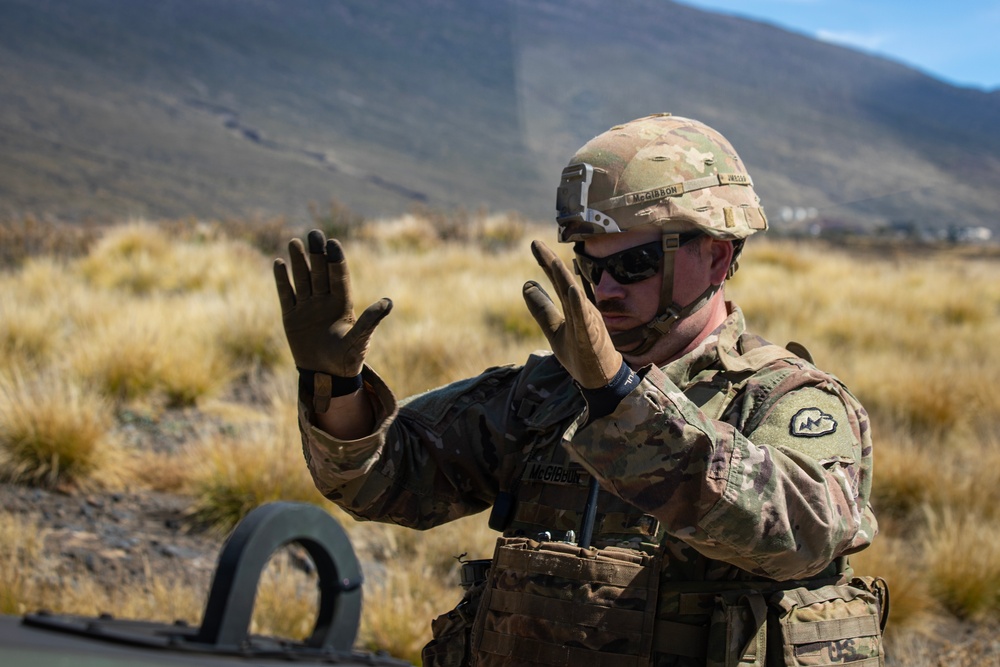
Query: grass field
<point x="149" y="318"/>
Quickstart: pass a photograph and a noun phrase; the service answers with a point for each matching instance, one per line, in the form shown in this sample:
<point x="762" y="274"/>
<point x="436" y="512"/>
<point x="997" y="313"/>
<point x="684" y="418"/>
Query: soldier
<point x="672" y="490"/>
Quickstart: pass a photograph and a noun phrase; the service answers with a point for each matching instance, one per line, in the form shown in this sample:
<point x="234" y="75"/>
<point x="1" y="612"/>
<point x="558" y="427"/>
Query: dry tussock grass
<point x="399" y="605"/>
<point x="912" y="338"/>
<point x="287" y="597"/>
<point x="962" y="554"/>
<point x="142" y="259"/>
<point x="248" y="331"/>
<point x="53" y="432"/>
<point x="253" y="464"/>
<point x="42" y="306"/>
<point x="27" y="237"/>
<point x="453" y="310"/>
<point x="153" y="319"/>
<point x="912" y="605"/>
<point x="21" y="552"/>
<point x="121" y="355"/>
<point x="401" y="601"/>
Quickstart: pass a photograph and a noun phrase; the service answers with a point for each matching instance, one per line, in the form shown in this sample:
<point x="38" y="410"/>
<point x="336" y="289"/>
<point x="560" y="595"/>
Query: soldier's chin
<point x="628" y="352"/>
<point x="625" y="343"/>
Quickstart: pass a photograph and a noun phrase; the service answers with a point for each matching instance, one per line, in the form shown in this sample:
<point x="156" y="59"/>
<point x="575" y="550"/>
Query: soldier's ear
<point x="720" y="257"/>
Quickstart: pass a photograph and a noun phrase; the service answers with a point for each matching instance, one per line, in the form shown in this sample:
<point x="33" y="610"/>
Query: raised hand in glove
<point x="576" y="333"/>
<point x="328" y="344"/>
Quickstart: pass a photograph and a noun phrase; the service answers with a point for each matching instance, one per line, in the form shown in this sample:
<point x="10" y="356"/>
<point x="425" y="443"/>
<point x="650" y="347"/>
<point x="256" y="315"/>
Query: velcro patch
<point x="811" y="423"/>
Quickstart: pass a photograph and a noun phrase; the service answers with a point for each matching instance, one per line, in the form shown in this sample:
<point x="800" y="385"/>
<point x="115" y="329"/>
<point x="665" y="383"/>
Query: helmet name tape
<point x="734" y="179"/>
<point x="656" y="193"/>
<point x="673" y="190"/>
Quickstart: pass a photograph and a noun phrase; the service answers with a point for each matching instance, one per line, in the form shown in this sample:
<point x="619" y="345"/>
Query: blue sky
<point x="957" y="40"/>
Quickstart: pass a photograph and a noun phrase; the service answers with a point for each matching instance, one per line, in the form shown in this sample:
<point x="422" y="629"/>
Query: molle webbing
<point x="832" y="625"/>
<point x="552" y="603"/>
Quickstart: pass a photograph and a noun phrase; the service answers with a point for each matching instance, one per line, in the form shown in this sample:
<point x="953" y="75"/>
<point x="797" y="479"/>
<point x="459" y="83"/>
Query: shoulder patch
<point x="811" y="423"/>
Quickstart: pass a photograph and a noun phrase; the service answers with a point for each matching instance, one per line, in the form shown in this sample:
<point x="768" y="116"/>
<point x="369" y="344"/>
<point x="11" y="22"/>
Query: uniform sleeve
<point x="431" y="459"/>
<point x="782" y="501"/>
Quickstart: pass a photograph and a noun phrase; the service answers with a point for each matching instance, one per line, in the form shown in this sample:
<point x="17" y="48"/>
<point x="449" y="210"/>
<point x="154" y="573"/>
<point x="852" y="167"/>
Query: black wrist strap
<point x="603" y="401"/>
<point x="319" y="387"/>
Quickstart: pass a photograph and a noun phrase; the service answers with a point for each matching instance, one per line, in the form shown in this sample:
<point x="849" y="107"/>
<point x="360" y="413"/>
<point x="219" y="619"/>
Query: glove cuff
<point x="603" y="401"/>
<point x="318" y="388"/>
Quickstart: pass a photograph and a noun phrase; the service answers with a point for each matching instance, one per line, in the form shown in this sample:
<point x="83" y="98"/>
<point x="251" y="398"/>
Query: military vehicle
<point x="43" y="639"/>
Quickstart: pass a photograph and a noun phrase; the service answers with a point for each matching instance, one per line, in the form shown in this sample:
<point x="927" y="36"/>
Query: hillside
<point x="215" y="108"/>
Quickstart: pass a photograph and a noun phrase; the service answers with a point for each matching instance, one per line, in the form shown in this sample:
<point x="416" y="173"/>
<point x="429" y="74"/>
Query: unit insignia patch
<point x="811" y="423"/>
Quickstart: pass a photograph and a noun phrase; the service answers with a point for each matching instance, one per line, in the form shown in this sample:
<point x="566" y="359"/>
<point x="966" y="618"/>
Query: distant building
<point x="970" y="234"/>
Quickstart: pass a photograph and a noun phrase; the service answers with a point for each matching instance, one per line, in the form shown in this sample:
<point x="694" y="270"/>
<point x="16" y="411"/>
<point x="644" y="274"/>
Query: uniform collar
<point x="718" y="348"/>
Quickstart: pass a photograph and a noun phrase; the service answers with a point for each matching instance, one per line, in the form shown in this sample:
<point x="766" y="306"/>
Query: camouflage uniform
<point x="733" y="481"/>
<point x="734" y="462"/>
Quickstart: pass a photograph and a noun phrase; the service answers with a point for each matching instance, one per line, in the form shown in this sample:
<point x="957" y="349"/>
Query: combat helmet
<point x="666" y="171"/>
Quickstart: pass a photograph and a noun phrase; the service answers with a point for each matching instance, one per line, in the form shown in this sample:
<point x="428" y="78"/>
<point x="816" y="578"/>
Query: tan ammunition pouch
<point x="836" y="624"/>
<point x="552" y="603"/>
<point x="832" y="625"/>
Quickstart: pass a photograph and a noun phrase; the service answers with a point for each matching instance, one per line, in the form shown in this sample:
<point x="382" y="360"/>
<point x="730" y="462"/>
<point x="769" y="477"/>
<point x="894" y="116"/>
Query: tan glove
<point x="318" y="312"/>
<point x="577" y="335"/>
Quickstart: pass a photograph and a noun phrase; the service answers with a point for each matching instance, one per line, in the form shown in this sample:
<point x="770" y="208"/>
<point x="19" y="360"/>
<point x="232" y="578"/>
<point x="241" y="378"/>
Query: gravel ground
<point x="116" y="538"/>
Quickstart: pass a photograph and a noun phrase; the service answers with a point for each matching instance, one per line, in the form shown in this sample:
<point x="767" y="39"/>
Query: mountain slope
<point x="236" y="107"/>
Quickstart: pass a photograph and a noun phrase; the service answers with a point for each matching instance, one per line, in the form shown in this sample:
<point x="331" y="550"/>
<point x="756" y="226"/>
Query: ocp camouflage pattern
<point x="659" y="170"/>
<point x="737" y="464"/>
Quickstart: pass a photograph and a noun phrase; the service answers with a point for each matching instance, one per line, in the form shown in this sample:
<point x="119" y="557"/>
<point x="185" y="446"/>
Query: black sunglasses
<point x="628" y="266"/>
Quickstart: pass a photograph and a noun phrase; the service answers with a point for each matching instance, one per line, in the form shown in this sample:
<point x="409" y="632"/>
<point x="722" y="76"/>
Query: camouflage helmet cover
<point x="662" y="170"/>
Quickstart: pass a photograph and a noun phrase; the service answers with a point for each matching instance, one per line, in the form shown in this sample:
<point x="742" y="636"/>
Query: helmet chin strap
<point x="639" y="340"/>
<point x="646" y="335"/>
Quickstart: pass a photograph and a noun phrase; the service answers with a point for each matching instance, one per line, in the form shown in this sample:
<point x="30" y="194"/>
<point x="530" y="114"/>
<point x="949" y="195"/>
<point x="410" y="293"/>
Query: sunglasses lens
<point x="635" y="264"/>
<point x="626" y="267"/>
